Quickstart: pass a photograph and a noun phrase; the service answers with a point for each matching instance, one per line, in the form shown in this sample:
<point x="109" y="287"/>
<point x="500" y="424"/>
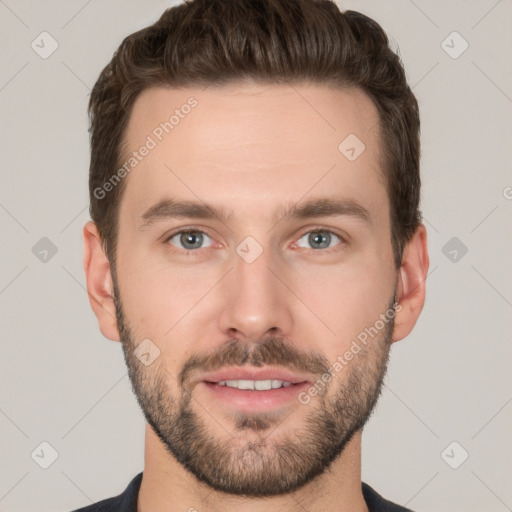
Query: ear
<point x="412" y="276"/>
<point x="99" y="282"/>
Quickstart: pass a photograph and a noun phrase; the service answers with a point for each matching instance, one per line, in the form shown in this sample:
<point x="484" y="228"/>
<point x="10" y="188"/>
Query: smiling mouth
<point x="254" y="385"/>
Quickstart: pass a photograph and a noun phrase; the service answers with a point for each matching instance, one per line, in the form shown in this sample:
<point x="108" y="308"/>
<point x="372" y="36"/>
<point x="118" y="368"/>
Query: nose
<point x="255" y="302"/>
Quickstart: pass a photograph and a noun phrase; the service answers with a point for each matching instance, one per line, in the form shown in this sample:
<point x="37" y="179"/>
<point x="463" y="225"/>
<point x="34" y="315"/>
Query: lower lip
<point x="255" y="401"/>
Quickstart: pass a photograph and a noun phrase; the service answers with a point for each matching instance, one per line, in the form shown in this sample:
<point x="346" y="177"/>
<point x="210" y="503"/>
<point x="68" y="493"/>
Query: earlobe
<point x="411" y="283"/>
<point x="99" y="282"/>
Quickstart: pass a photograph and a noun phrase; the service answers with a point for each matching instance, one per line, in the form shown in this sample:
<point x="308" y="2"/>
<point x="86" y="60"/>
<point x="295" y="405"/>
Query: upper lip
<point x="238" y="373"/>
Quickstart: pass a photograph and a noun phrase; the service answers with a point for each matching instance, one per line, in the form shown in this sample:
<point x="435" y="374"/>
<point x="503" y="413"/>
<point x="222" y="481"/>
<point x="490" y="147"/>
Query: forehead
<point x="251" y="144"/>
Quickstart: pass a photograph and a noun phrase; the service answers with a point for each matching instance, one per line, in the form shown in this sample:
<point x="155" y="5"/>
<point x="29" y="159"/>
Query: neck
<point x="167" y="485"/>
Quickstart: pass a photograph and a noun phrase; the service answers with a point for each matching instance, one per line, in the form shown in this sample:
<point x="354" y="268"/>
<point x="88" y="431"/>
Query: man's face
<point x="259" y="294"/>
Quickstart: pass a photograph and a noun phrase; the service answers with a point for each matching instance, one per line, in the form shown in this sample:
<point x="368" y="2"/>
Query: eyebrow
<point x="322" y="207"/>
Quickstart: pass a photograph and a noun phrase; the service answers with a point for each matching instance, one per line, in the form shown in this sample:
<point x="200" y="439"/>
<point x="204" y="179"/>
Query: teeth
<point x="259" y="385"/>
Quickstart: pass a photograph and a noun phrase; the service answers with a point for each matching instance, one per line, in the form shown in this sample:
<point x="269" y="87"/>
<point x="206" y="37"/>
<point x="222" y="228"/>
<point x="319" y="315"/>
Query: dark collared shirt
<point x="127" y="500"/>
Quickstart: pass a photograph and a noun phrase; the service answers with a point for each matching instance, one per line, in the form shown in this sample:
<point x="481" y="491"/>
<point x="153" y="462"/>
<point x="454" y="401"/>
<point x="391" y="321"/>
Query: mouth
<point x="258" y="385"/>
<point x="254" y="390"/>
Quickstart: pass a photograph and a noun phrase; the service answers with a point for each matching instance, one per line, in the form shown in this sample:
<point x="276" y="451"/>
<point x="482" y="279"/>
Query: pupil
<point x="188" y="238"/>
<point x="321" y="240"/>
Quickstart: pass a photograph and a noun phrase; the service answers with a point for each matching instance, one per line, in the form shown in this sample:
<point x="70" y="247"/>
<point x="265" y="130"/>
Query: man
<point x="256" y="246"/>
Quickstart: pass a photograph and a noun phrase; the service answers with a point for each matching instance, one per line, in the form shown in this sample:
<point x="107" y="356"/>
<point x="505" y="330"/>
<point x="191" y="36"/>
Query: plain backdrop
<point x="448" y="390"/>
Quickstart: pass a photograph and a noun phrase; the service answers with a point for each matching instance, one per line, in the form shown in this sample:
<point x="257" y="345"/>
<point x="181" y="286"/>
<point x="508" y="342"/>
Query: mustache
<point x="273" y="351"/>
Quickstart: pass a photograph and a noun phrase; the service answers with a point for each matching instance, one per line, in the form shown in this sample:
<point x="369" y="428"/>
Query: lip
<point x="252" y="401"/>
<point x="240" y="373"/>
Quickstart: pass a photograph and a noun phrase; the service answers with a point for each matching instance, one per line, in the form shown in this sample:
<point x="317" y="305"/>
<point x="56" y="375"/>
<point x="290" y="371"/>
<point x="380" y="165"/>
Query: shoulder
<point x="376" y="503"/>
<point x="124" y="502"/>
<point x="108" y="505"/>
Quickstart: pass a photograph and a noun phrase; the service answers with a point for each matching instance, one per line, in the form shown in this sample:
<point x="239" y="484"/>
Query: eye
<point x="319" y="239"/>
<point x="189" y="240"/>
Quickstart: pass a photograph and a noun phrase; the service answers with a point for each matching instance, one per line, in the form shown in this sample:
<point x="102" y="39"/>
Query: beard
<point x="250" y="461"/>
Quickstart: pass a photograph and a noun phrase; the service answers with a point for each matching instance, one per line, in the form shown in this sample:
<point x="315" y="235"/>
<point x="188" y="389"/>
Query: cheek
<point x="157" y="296"/>
<point x="347" y="298"/>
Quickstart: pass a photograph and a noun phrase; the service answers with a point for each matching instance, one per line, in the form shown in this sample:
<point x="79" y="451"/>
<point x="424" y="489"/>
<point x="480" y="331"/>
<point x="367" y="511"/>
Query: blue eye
<point x="319" y="239"/>
<point x="189" y="239"/>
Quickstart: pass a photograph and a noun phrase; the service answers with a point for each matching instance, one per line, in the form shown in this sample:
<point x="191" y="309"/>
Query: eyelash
<point x="193" y="229"/>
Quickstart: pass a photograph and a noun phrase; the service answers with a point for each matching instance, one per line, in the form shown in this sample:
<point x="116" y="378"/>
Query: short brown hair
<point x="217" y="42"/>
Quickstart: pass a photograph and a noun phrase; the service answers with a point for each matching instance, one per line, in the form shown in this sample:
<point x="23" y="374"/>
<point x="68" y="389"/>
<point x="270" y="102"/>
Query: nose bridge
<point x="254" y="300"/>
<point x="252" y="270"/>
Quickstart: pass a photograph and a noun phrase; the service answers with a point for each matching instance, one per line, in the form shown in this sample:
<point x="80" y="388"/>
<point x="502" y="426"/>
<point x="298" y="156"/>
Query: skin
<point x="250" y="149"/>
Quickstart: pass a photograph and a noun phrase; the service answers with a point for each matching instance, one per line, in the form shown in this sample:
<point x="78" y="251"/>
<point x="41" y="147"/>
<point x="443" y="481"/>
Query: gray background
<point x="64" y="384"/>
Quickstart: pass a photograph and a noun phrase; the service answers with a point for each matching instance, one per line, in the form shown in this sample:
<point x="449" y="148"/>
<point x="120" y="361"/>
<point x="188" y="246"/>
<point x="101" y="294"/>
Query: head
<point x="292" y="129"/>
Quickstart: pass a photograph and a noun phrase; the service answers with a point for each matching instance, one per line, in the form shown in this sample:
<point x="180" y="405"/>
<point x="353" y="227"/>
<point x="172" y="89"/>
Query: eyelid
<point x="334" y="231"/>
